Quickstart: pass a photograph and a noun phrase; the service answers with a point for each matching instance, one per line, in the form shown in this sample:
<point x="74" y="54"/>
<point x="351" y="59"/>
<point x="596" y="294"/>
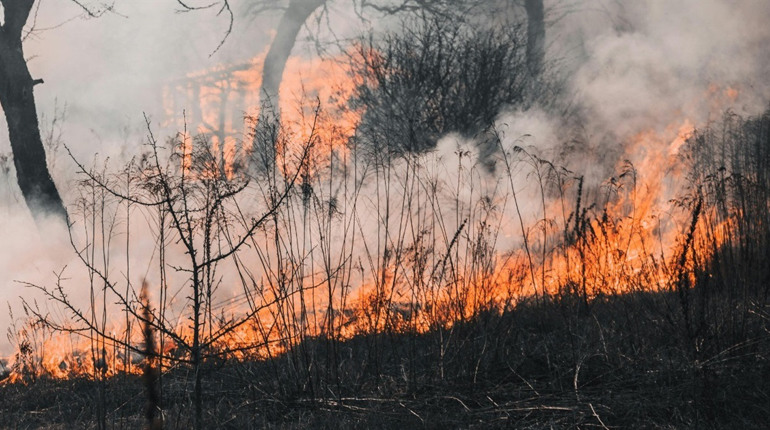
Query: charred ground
<point x="626" y="361"/>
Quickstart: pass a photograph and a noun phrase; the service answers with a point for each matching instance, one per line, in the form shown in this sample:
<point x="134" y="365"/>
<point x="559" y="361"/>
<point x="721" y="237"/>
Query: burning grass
<point x="604" y="314"/>
<point x="475" y="282"/>
<point x="625" y="363"/>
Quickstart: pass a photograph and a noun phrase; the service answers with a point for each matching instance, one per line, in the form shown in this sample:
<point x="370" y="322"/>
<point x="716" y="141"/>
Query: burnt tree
<point x="535" y="36"/>
<point x="18" y="102"/>
<point x="297" y="12"/>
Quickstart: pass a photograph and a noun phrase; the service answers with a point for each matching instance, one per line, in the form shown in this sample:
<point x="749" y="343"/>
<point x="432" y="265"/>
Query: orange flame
<point x="223" y="105"/>
<point x="627" y="245"/>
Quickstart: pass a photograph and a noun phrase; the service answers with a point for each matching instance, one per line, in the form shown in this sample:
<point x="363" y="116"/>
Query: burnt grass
<point x="627" y="361"/>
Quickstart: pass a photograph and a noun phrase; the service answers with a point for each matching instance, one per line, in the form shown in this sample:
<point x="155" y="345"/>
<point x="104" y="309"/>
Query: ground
<point x="623" y="362"/>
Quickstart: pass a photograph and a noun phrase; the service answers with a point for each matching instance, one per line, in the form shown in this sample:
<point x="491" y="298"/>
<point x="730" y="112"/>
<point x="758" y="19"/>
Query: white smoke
<point x="646" y="64"/>
<point x="631" y="65"/>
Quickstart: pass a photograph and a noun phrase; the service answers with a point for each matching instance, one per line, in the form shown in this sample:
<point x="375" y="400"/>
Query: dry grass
<point x="446" y="329"/>
<point x="624" y="365"/>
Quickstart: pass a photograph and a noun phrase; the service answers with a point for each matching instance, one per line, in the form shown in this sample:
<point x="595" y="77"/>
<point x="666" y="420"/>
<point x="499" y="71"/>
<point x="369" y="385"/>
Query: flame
<point x="222" y="106"/>
<point x="447" y="271"/>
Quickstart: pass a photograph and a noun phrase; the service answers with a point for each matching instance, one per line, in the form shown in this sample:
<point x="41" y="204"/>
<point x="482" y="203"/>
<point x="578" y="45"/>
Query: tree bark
<point x="18" y="103"/>
<point x="297" y="12"/>
<point x="535" y="36"/>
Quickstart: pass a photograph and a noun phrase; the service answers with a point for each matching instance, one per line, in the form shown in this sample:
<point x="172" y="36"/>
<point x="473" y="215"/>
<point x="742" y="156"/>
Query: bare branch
<point x="225" y="8"/>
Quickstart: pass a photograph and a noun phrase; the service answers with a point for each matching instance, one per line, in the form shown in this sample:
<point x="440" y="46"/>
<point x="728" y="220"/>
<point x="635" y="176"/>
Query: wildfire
<point x="428" y="270"/>
<point x="627" y="244"/>
<point x="222" y="106"/>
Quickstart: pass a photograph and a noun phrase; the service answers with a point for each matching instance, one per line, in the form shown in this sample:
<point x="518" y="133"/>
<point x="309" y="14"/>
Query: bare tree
<point x="18" y="102"/>
<point x="435" y="76"/>
<point x="535" y="36"/>
<point x="198" y="205"/>
<point x="297" y="12"/>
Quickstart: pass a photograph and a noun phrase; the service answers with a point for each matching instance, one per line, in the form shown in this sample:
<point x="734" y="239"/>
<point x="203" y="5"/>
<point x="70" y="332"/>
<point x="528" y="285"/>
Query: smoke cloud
<point x="631" y="66"/>
<point x="637" y="65"/>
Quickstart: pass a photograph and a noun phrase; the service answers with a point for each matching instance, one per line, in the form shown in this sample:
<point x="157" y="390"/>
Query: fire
<point x="424" y="281"/>
<point x="222" y="106"/>
<point x="391" y="256"/>
<point x="60" y="356"/>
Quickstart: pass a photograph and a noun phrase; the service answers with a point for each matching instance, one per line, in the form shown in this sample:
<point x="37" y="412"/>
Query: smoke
<point x="112" y="69"/>
<point x="639" y="65"/>
<point x="101" y="75"/>
<point x="629" y="66"/>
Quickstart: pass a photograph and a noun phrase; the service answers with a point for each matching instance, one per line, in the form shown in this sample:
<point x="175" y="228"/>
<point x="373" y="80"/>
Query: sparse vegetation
<point x="437" y="76"/>
<point x="444" y="333"/>
<point x="327" y="288"/>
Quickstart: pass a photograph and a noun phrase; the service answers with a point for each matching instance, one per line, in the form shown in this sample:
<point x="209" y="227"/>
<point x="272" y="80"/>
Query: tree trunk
<point x="18" y="103"/>
<point x="535" y="36"/>
<point x="292" y="21"/>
